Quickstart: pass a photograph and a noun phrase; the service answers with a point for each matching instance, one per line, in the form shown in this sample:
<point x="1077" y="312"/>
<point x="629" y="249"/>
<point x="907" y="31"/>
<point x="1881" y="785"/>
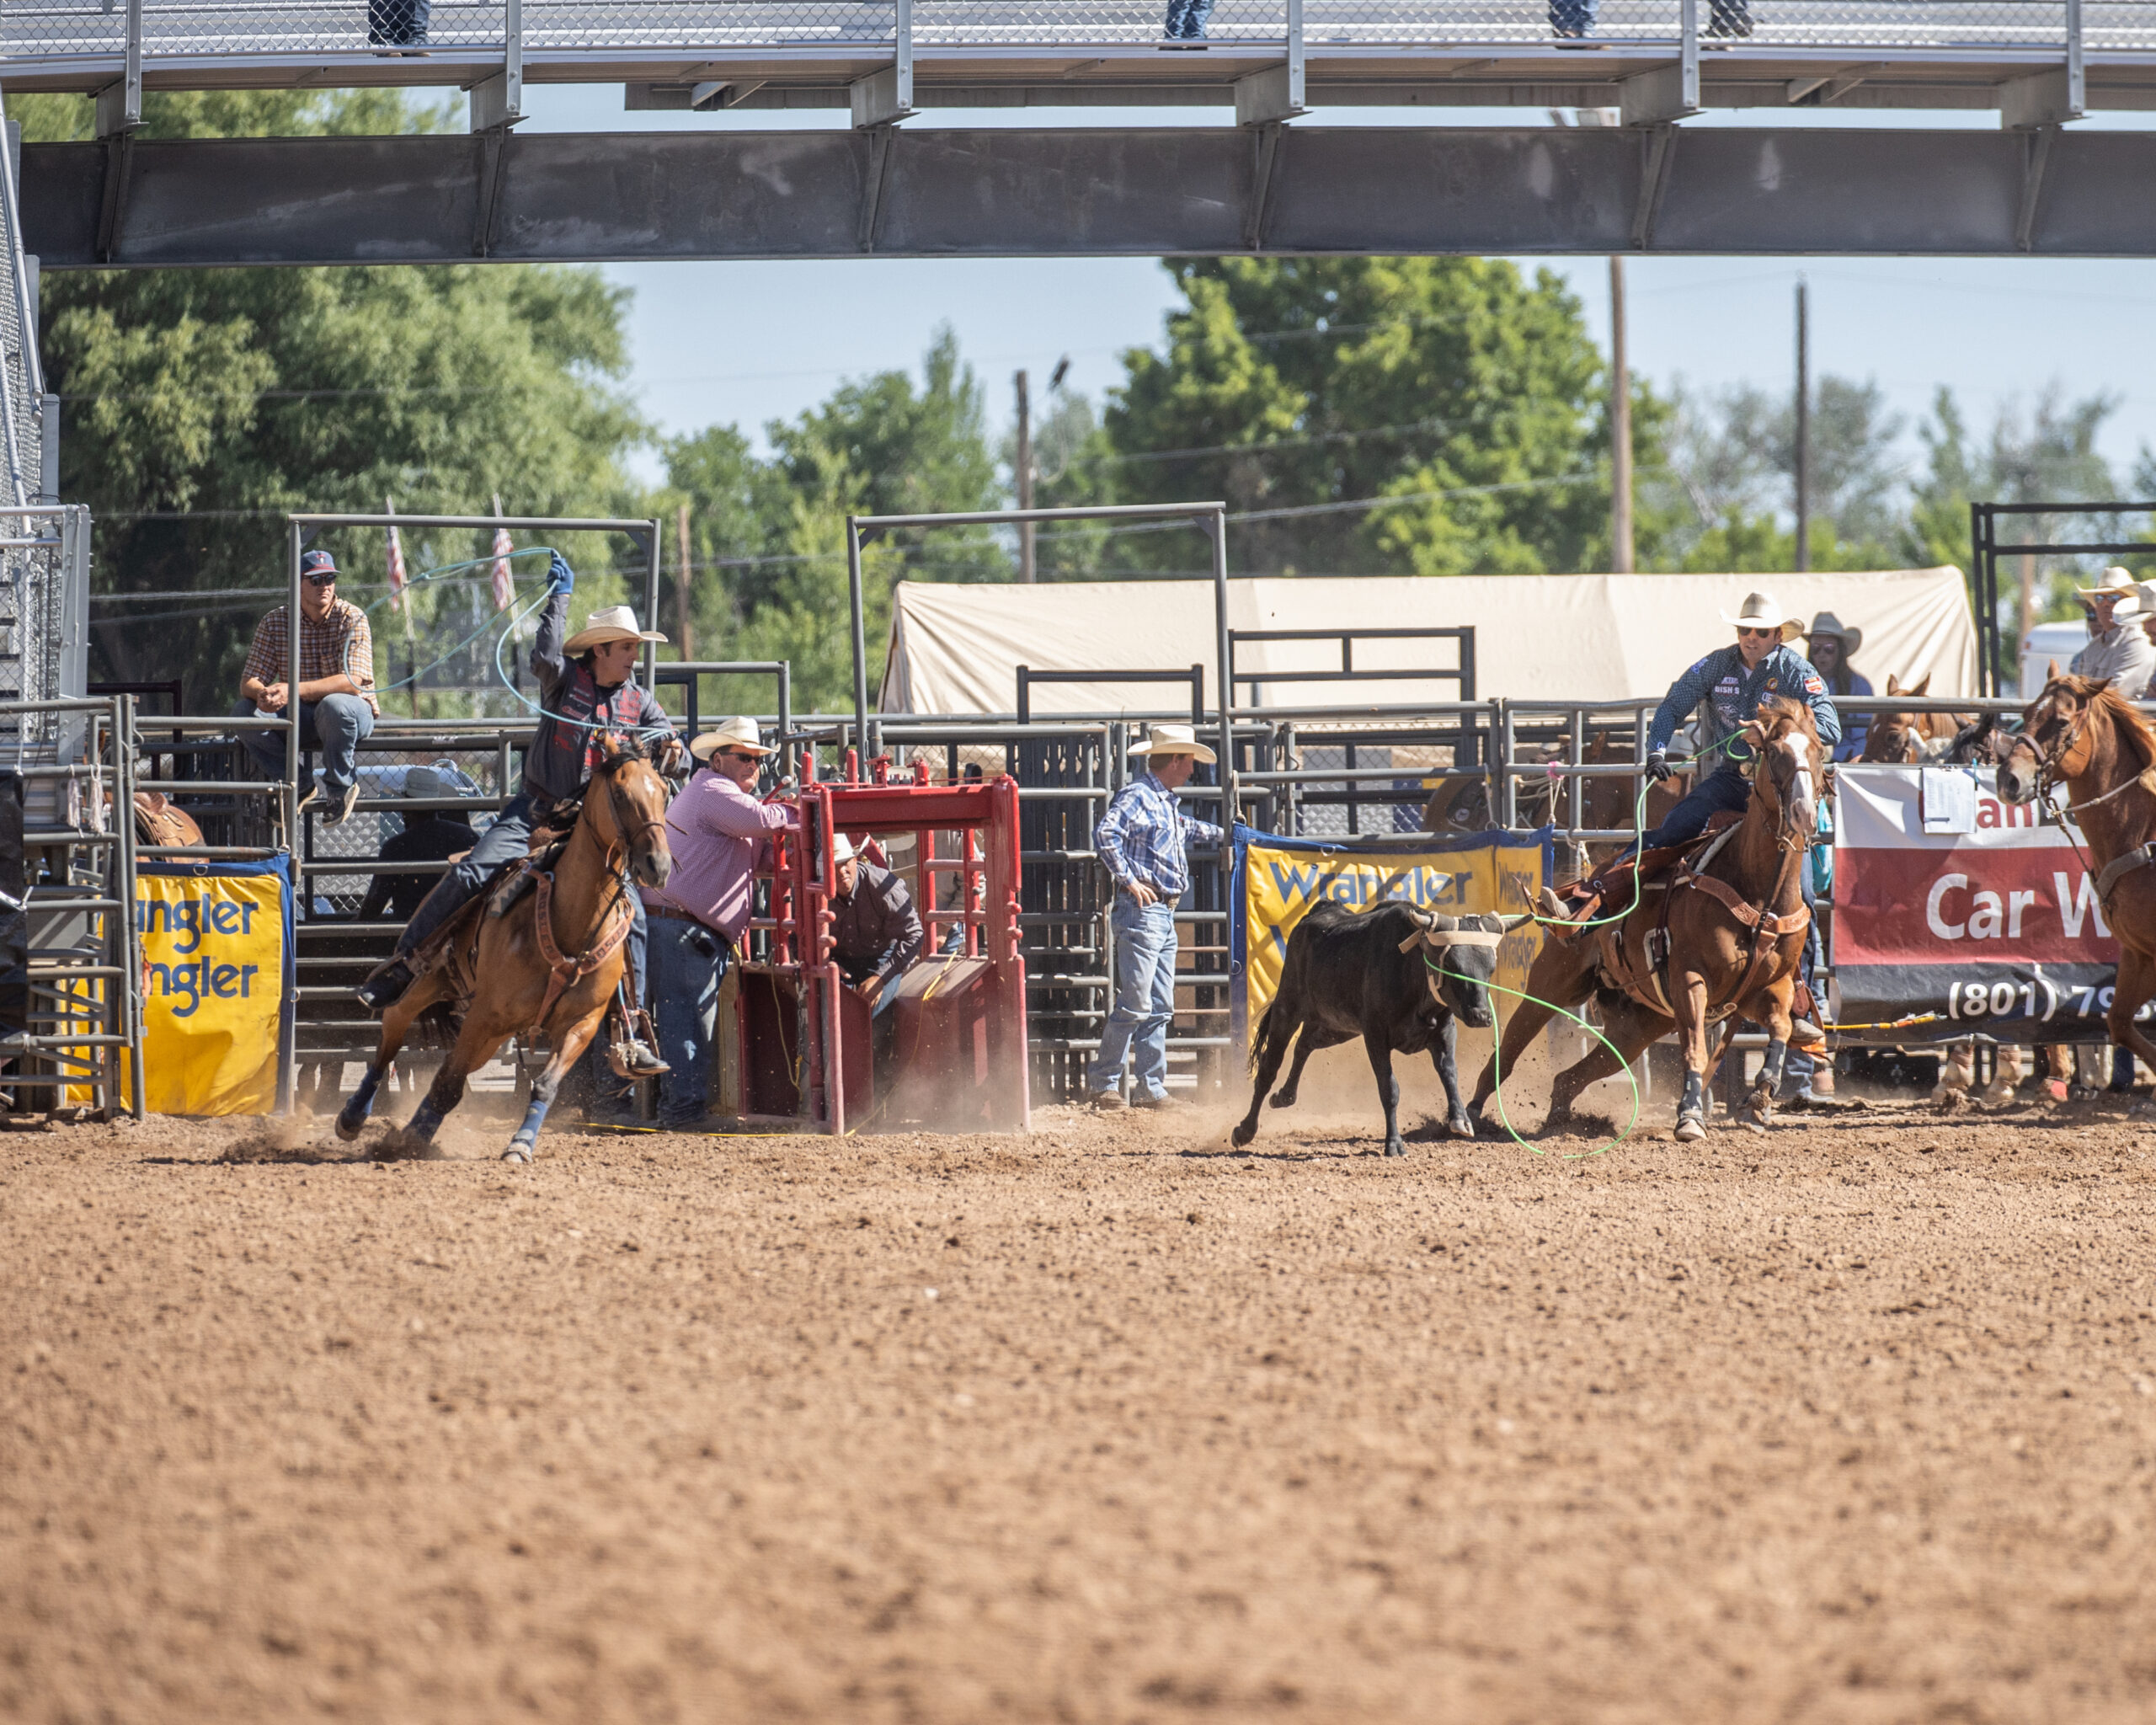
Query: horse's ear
<point x="2051" y="672"/>
<point x="1893" y="684"/>
<point x="1920" y="688"/>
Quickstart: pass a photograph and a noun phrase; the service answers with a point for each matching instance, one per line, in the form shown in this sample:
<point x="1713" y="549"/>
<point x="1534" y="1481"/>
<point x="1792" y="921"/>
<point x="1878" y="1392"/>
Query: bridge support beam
<point x="1090" y="192"/>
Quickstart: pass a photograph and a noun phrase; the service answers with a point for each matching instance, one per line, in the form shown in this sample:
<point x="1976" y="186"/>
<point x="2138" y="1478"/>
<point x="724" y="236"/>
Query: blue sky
<point x="745" y="342"/>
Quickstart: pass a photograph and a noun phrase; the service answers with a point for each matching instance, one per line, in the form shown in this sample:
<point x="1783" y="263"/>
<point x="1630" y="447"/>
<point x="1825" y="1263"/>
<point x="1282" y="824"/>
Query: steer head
<point x="1463" y="954"/>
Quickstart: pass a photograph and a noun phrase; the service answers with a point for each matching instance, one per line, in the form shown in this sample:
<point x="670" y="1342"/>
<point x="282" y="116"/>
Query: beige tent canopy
<point x="956" y="649"/>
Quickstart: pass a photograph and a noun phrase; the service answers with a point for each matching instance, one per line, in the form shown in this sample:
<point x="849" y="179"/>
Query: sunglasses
<point x="1762" y="633"/>
<point x="737" y="755"/>
<point x="319" y="581"/>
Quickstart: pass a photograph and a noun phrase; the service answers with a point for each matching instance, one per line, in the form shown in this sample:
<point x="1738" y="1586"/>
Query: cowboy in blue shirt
<point x="1141" y="839"/>
<point x="1727" y="686"/>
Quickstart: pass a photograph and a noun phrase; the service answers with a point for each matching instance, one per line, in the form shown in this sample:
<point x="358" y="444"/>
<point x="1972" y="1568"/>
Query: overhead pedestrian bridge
<point x="2034" y="184"/>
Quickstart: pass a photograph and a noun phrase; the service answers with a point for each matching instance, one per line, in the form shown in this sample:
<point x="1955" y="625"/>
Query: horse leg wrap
<point x="426" y="1121"/>
<point x="1694" y="1107"/>
<point x="535" y="1117"/>
<point x="354" y="1114"/>
<point x="1771" y="1072"/>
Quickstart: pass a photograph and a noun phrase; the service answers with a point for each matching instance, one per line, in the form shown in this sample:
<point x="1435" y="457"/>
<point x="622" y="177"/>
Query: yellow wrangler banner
<point x="1281" y="878"/>
<point x="216" y="961"/>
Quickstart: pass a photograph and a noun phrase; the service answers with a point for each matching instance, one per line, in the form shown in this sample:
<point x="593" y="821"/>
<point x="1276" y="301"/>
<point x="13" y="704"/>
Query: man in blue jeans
<point x="337" y="706"/>
<point x="1142" y="839"/>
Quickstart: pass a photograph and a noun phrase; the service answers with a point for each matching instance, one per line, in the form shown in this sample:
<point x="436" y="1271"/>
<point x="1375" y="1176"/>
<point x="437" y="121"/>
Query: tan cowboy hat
<point x="1827" y="623"/>
<point x="842" y="849"/>
<point x="2116" y="583"/>
<point x="735" y="733"/>
<point x="1761" y="612"/>
<point x="615" y="623"/>
<point x="1174" y="740"/>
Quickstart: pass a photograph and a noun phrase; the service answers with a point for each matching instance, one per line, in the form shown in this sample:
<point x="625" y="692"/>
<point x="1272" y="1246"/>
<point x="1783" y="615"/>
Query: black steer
<point x="1346" y="975"/>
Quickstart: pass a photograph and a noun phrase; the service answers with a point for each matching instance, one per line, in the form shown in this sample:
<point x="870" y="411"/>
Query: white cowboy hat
<point x="1174" y="740"/>
<point x="735" y="733"/>
<point x="615" y="623"/>
<point x="2134" y="605"/>
<point x="2116" y="581"/>
<point x="842" y="849"/>
<point x="1827" y="623"/>
<point x="1761" y="612"/>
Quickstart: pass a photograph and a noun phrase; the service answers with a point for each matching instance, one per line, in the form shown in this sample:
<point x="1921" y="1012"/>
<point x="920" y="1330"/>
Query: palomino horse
<point x="2078" y="734"/>
<point x="1907" y="738"/>
<point x="558" y="980"/>
<point x="1721" y="938"/>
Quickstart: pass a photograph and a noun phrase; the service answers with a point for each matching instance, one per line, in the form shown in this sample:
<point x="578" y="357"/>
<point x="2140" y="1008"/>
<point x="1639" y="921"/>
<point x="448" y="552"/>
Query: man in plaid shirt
<point x="336" y="691"/>
<point x="1141" y="839"/>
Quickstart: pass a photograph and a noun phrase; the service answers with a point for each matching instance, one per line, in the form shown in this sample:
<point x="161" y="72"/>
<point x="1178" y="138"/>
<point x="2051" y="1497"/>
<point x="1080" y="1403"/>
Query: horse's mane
<point x="2134" y="729"/>
<point x="1782" y="707"/>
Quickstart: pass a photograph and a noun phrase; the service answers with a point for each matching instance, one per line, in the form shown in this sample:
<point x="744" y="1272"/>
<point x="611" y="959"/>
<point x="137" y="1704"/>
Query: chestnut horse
<point x="2078" y="732"/>
<point x="1730" y="932"/>
<point x="1909" y="739"/>
<point x="506" y="963"/>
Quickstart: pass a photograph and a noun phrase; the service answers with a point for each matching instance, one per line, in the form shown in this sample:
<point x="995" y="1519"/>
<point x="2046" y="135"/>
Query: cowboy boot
<point x="385" y="984"/>
<point x="1564" y="918"/>
<point x="1804" y="1030"/>
<point x="632" y="1055"/>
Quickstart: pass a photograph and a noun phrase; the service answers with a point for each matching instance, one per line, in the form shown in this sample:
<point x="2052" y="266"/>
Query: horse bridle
<point x="2051" y="763"/>
<point x="1782" y="838"/>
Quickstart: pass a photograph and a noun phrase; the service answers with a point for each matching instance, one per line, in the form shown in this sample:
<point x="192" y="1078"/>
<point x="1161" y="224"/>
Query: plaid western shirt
<point x="342" y="644"/>
<point x="1142" y="835"/>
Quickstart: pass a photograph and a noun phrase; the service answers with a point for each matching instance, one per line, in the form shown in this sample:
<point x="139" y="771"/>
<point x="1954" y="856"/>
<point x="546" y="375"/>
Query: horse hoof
<point x="1690" y="1129"/>
<point x="1242" y="1134"/>
<point x="1460" y="1126"/>
<point x="1395" y="1149"/>
<point x="349" y="1126"/>
<point x="517" y="1153"/>
<point x="1283" y="1098"/>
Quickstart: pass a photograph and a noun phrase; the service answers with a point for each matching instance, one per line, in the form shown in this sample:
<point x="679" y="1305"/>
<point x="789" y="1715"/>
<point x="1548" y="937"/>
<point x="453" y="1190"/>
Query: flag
<point x="505" y="589"/>
<point x="396" y="570"/>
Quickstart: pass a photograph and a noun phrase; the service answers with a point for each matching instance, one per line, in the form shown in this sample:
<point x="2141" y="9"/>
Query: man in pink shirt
<point x="715" y="830"/>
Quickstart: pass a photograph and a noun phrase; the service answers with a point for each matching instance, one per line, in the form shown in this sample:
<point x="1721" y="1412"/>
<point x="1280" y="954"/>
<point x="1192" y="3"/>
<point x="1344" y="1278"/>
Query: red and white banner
<point x="505" y="587"/>
<point x="1988" y="922"/>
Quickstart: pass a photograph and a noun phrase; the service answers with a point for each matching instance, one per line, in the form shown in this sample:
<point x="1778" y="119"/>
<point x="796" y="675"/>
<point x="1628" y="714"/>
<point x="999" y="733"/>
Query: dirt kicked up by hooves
<point x="1108" y="1421"/>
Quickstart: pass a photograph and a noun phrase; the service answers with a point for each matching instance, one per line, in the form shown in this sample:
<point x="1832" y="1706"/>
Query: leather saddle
<point x="1612" y="883"/>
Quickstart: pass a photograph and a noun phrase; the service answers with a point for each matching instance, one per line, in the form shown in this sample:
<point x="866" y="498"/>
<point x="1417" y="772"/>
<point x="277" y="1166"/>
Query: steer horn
<point x="1509" y="923"/>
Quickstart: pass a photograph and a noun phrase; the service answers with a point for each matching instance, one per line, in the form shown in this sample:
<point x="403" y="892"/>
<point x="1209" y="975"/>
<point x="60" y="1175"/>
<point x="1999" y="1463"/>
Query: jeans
<point x="857" y="974"/>
<point x="336" y="726"/>
<point x="398" y="24"/>
<point x="1144" y="997"/>
<point x="1715" y="792"/>
<point x="1187" y="20"/>
<point x="688" y="963"/>
<point x="506" y="842"/>
<point x="1576" y="18"/>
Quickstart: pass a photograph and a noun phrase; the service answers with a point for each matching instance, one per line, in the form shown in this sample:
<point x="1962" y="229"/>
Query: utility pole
<point x="1024" y="469"/>
<point x="1620" y="428"/>
<point x="1803" y="428"/>
<point x="688" y="627"/>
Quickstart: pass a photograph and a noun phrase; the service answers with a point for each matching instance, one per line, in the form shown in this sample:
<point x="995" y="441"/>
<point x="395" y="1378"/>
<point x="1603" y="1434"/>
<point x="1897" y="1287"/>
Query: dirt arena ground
<point x="1854" y="1422"/>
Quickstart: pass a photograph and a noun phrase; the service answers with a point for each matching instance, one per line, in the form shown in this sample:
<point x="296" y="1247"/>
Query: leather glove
<point x="1658" y="766"/>
<point x="561" y="575"/>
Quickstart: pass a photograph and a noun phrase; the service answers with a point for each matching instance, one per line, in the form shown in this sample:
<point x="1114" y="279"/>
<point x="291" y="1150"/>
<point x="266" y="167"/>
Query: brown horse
<point x="523" y="979"/>
<point x="2078" y="732"/>
<point x="1732" y="929"/>
<point x="1907" y="738"/>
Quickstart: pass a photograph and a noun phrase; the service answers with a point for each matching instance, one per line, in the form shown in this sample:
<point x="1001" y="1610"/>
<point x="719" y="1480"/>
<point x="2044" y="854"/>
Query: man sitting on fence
<point x="587" y="687"/>
<point x="434" y="837"/>
<point x="338" y="706"/>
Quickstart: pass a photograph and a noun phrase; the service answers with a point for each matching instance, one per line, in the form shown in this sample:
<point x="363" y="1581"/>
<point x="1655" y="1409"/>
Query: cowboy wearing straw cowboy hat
<point x="2118" y="648"/>
<point x="1141" y="839"/>
<point x="715" y="829"/>
<point x="587" y="685"/>
<point x="1727" y="686"/>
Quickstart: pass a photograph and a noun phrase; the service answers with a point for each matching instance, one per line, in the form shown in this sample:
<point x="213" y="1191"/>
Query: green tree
<point x="201" y="405"/>
<point x="1311" y="387"/>
<point x="773" y="532"/>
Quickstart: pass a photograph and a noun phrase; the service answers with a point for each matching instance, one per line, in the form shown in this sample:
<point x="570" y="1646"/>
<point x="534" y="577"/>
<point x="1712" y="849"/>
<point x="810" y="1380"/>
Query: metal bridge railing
<point x="169" y="33"/>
